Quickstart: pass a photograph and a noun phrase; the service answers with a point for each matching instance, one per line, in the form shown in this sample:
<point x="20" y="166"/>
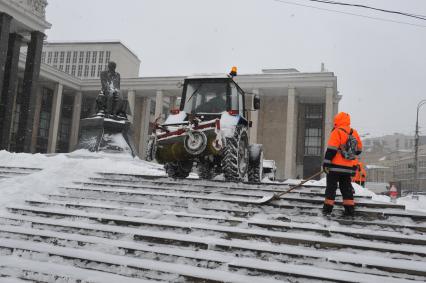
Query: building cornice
<point x="49" y="73"/>
<point x="31" y="15"/>
<point x="247" y="81"/>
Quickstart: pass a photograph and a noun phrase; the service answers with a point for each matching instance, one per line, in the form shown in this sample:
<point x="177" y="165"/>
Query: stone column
<point x="36" y="124"/>
<point x="254" y="118"/>
<point x="75" y="126"/>
<point x="9" y="89"/>
<point x="329" y="111"/>
<point x="145" y="115"/>
<point x="55" y="118"/>
<point x="131" y="94"/>
<point x="291" y="135"/>
<point x="173" y="102"/>
<point x="31" y="74"/>
<point x="5" y="21"/>
<point x="159" y="104"/>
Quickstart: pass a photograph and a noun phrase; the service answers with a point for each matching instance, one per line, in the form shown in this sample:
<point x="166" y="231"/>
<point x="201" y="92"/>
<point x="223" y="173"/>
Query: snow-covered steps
<point x="233" y="221"/>
<point x="142" y="268"/>
<point x="39" y="271"/>
<point x="283" y="213"/>
<point x="210" y="252"/>
<point x="178" y="191"/>
<point x="134" y="228"/>
<point x="163" y="179"/>
<point x="10" y="172"/>
<point x="373" y="209"/>
<point x="246" y="190"/>
<point x="223" y="231"/>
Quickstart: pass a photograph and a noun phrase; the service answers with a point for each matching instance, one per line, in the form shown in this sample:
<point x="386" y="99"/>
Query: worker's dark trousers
<point x="344" y="181"/>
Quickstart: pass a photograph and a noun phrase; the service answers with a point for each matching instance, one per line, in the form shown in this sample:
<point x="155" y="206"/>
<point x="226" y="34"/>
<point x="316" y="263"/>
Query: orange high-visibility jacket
<point x="360" y="174"/>
<point x="333" y="159"/>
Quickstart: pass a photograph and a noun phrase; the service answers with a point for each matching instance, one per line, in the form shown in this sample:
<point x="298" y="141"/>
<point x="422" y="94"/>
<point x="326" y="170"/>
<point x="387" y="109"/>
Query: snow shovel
<point x="276" y="196"/>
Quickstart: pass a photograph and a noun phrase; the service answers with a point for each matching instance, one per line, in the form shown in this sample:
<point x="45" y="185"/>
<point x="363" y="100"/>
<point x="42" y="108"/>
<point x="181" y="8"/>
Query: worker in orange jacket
<point x="360" y="174"/>
<point x="339" y="164"/>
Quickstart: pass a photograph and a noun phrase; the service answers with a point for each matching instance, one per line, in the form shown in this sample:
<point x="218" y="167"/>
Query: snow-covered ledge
<point x="28" y="14"/>
<point x="36" y="7"/>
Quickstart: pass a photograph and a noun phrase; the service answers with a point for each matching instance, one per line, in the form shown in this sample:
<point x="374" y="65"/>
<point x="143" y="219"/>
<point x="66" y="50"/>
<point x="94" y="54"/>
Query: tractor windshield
<point x="205" y="97"/>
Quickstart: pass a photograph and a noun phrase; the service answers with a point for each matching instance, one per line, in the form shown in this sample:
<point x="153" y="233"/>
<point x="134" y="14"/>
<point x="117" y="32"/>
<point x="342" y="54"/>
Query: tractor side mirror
<point x="256" y="102"/>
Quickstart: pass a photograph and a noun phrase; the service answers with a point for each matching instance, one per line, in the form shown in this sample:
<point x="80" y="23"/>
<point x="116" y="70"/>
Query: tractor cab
<point x="209" y="97"/>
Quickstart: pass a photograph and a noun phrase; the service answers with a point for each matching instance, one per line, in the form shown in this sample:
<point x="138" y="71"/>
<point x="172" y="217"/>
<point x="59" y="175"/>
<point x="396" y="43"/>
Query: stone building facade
<point x="296" y="112"/>
<point x="22" y="23"/>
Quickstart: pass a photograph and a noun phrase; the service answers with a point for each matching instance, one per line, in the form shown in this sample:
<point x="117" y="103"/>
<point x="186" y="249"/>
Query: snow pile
<point x="176" y="118"/>
<point x="413" y="202"/>
<point x="61" y="170"/>
<point x="228" y="123"/>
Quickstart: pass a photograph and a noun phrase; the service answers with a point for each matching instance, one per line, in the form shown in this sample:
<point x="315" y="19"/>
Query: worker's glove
<point x="325" y="169"/>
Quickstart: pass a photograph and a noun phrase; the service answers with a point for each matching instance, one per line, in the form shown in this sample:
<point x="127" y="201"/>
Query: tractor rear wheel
<point x="255" y="171"/>
<point x="235" y="155"/>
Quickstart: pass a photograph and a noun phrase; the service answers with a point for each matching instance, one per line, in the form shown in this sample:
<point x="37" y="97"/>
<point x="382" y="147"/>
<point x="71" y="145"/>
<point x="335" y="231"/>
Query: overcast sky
<point x="380" y="66"/>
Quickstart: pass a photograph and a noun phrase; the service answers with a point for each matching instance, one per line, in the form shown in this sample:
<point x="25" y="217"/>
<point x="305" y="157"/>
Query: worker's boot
<point x="349" y="210"/>
<point x="327" y="209"/>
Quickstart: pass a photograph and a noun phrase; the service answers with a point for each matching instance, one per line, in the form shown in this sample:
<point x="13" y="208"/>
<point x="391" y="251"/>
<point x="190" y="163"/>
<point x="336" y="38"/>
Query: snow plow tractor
<point x="209" y="130"/>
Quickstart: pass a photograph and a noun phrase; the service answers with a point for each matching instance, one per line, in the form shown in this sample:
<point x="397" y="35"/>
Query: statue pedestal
<point x="107" y="135"/>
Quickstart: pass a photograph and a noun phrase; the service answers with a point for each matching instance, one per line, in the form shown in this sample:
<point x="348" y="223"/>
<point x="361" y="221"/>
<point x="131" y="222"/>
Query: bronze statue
<point x="110" y="102"/>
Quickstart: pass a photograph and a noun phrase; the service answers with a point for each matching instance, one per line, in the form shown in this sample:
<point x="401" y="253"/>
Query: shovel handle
<point x="298" y="185"/>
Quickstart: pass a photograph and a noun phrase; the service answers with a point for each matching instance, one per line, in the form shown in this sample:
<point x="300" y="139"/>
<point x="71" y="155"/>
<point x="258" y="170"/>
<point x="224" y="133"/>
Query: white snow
<point x="61" y="170"/>
<point x="228" y="123"/>
<point x="176" y="118"/>
<point x="372" y="166"/>
<point x="413" y="202"/>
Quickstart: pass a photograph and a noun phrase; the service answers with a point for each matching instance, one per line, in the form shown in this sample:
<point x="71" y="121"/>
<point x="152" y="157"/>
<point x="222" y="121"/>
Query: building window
<point x="313" y="129"/>
<point x="99" y="70"/>
<point x="69" y="57"/>
<point x="107" y="56"/>
<point x="49" y="57"/>
<point x="93" y="71"/>
<point x="101" y="57"/>
<point x="43" y="56"/>
<point x="67" y="69"/>
<point x="80" y="71"/>
<point x="74" y="57"/>
<point x="81" y="57"/>
<point x="86" y="71"/>
<point x="73" y="70"/>
<point x="88" y="57"/>
<point x="62" y="58"/>
<point x="94" y="57"/>
<point x="55" y="57"/>
<point x="313" y="141"/>
<point x="61" y="67"/>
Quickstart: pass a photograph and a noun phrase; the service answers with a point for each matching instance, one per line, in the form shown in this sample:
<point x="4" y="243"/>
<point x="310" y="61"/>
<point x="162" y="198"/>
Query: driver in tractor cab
<point x="217" y="104"/>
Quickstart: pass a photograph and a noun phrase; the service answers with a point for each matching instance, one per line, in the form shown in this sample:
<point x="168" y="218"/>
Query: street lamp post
<point x="416" y="143"/>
